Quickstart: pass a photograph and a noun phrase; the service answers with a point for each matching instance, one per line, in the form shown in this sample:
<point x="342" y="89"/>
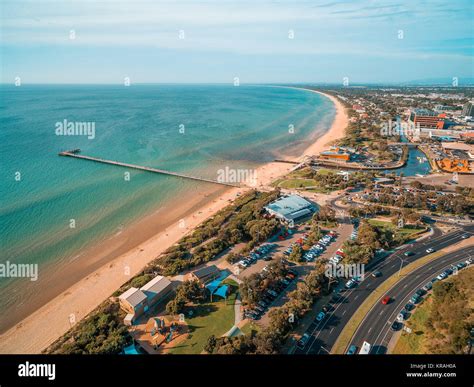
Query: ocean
<point x="193" y="129"/>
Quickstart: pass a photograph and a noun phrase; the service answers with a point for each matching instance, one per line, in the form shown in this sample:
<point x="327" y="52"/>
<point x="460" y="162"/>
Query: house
<point x="157" y="290"/>
<point x="138" y="301"/>
<point x="206" y="274"/>
<point x="133" y="301"/>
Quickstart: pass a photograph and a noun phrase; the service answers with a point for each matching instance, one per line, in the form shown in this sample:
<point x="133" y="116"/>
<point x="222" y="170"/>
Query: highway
<point x="375" y="328"/>
<point x="325" y="333"/>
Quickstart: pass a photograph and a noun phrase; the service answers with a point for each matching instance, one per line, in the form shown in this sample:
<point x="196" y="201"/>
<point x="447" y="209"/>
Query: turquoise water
<point x="416" y="164"/>
<point x="224" y="126"/>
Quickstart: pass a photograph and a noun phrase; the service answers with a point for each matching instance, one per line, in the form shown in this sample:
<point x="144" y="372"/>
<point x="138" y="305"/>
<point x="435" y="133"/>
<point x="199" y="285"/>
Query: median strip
<point x="349" y="330"/>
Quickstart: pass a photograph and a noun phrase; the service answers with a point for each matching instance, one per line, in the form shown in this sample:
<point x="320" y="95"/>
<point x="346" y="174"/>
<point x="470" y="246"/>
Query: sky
<point x="153" y="41"/>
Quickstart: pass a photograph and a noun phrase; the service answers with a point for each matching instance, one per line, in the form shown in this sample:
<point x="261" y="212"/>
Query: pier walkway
<point x="74" y="154"/>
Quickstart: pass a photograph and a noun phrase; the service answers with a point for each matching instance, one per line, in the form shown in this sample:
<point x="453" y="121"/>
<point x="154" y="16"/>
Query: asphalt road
<point x="325" y="333"/>
<point x="375" y="328"/>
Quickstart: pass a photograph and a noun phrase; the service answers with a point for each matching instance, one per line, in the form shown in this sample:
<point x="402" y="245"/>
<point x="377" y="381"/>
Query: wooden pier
<point x="75" y="153"/>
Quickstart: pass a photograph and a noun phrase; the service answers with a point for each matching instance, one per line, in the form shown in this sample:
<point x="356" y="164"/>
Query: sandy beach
<point x="46" y="324"/>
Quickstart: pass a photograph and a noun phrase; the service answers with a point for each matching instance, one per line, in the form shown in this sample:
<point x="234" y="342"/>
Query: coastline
<point x="39" y="329"/>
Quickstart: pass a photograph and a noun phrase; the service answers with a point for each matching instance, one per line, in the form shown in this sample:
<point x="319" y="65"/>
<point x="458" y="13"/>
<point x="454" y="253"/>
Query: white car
<point x="350" y="283"/>
<point x="441" y="277"/>
<point x="430" y="250"/>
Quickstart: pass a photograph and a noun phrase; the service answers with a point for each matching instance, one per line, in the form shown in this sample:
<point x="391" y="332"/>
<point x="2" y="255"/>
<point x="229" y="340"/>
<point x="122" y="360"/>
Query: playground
<point x="158" y="334"/>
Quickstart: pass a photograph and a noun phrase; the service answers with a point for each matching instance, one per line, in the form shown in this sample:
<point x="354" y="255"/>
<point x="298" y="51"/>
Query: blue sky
<point x="364" y="40"/>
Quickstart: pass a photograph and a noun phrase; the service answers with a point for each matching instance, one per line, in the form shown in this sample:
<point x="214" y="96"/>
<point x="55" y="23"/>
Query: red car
<point x="386" y="300"/>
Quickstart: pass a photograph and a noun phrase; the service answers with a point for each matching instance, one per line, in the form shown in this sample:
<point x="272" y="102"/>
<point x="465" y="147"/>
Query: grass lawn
<point x="407" y="232"/>
<point x="297" y="183"/>
<point x="250" y="327"/>
<point x="412" y="343"/>
<point x="212" y="318"/>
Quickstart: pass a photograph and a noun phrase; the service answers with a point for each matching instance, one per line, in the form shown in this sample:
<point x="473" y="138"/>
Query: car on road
<point x="465" y="236"/>
<point x="303" y="341"/>
<point x="350" y="284"/>
<point x="327" y="308"/>
<point x="320" y="316"/>
<point x="352" y="350"/>
<point x="377" y="274"/>
<point x="386" y="300"/>
<point x="430" y="250"/>
<point x="408" y="253"/>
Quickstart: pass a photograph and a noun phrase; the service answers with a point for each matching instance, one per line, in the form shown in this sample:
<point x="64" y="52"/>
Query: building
<point x="133" y="301"/>
<point x="336" y="153"/>
<point x="330" y="155"/>
<point x="468" y="136"/>
<point x="206" y="274"/>
<point x="138" y="301"/>
<point x="157" y="290"/>
<point x="425" y="118"/>
<point x="291" y="208"/>
<point x="454" y="165"/>
<point x="468" y="109"/>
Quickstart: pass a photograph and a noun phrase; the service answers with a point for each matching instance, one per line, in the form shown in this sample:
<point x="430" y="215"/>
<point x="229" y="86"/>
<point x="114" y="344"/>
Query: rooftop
<point x="133" y="296"/>
<point x="206" y="271"/>
<point x="288" y="205"/>
<point x="155" y="286"/>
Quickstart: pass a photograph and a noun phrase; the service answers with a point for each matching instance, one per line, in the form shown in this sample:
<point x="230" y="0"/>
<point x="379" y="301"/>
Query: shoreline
<point x="43" y="326"/>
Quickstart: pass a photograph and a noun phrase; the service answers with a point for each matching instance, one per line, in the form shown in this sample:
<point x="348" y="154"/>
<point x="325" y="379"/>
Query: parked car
<point x="395" y="326"/>
<point x="427" y="287"/>
<point x="442" y="276"/>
